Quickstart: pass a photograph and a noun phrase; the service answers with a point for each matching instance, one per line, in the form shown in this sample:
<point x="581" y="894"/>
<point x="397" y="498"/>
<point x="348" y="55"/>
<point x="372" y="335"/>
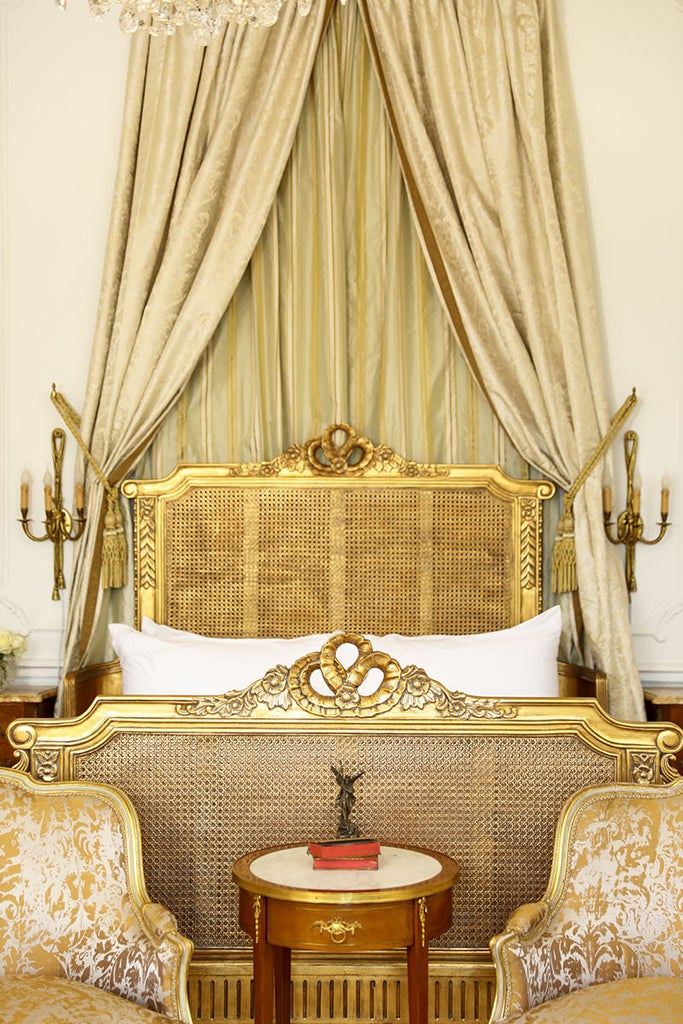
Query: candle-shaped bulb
<point x="25" y="483"/>
<point x="607" y="500"/>
<point x="79" y="499"/>
<point x="666" y="488"/>
<point x="47" y="490"/>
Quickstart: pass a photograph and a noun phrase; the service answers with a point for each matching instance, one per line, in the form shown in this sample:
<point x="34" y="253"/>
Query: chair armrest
<point x="159" y="919"/>
<point x="525" y="918"/>
<point x="155" y="961"/>
<point x="514" y="994"/>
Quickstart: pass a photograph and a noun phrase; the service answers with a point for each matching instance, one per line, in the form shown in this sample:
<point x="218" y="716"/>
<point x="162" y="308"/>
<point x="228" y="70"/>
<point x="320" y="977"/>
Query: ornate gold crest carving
<point x="338" y="451"/>
<point x="341" y="695"/>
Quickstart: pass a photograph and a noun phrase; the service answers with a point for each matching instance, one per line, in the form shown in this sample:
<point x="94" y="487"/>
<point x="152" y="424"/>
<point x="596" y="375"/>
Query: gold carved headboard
<point x="338" y="533"/>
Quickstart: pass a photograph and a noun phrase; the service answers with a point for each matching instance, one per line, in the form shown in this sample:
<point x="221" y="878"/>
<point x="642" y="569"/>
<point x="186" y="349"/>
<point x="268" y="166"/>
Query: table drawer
<point x="330" y="926"/>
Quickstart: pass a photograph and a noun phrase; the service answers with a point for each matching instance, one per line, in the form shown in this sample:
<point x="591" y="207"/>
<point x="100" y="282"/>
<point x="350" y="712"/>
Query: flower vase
<point x="8" y="671"/>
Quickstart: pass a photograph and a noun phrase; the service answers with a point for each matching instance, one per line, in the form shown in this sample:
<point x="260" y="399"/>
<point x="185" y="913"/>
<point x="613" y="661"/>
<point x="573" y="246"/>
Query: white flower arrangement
<point x="11" y="646"/>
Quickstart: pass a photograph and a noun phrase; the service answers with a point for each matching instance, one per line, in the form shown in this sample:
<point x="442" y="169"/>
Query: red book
<point x="335" y="848"/>
<point x="345" y="863"/>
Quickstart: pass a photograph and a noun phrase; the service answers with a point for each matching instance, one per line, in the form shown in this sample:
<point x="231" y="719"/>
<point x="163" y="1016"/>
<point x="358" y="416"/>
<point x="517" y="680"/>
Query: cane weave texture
<point x="205" y="798"/>
<point x="287" y="561"/>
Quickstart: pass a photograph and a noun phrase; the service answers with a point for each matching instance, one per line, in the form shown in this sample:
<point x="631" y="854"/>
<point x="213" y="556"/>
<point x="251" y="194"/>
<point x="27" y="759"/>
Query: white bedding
<point x="516" y="662"/>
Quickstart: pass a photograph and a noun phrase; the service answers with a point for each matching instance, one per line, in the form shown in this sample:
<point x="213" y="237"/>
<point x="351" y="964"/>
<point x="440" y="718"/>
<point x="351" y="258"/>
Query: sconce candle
<point x="47" y="491"/>
<point x="666" y="488"/>
<point x="60" y="526"/>
<point x="25" y="483"/>
<point x="607" y="494"/>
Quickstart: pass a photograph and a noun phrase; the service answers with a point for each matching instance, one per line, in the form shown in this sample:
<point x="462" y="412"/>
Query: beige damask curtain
<point x="336" y="317"/>
<point x="480" y="110"/>
<point x="206" y="136"/>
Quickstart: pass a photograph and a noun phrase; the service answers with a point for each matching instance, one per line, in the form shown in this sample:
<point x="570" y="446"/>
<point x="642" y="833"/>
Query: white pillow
<point x="516" y="662"/>
<point x="156" y="662"/>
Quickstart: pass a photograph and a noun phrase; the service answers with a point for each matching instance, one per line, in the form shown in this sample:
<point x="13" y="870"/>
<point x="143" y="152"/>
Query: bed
<point x="324" y="557"/>
<point x="338" y="533"/>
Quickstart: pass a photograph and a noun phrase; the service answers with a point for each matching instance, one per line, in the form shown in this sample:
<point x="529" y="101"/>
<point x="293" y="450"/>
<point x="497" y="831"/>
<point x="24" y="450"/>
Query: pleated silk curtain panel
<point x="477" y="98"/>
<point x="336" y="317"/>
<point x="207" y="134"/>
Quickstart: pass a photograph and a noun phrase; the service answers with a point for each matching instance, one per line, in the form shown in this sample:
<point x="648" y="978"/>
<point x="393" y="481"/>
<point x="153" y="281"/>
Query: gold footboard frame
<point x="478" y="778"/>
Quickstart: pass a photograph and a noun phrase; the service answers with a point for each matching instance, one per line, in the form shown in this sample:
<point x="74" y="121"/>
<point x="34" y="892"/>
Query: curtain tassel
<point x="563" y="573"/>
<point x="113" y="544"/>
<point x="564" y="553"/>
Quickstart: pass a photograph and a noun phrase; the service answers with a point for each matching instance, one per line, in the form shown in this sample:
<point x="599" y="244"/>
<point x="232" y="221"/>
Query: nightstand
<point x="16" y="702"/>
<point x="285" y="904"/>
<point x="665" y="704"/>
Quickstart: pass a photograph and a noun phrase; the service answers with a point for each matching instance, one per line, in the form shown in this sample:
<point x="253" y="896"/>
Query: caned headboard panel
<point x="338" y="533"/>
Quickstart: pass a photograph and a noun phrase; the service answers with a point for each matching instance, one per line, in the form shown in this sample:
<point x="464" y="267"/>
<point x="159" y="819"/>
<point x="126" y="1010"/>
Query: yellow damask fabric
<point x="72" y="898"/>
<point x="613" y="909"/>
<point x="37" y="1000"/>
<point x="633" y="1000"/>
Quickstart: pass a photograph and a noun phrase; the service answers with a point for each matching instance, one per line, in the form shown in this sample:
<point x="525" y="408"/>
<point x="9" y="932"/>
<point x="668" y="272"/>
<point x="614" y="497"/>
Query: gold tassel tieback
<point x="114" y="551"/>
<point x="113" y="546"/>
<point x="564" y="549"/>
<point x="564" y="554"/>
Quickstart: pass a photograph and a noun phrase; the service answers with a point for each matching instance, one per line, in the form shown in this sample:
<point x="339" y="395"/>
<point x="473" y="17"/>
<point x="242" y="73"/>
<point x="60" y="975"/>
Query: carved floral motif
<point x="408" y="688"/>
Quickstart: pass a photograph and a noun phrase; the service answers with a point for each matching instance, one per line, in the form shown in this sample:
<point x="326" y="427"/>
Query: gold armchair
<point x="606" y="941"/>
<point x="79" y="938"/>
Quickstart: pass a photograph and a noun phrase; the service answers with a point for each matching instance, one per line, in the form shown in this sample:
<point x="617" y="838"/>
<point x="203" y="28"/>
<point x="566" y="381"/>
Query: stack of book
<point x="345" y="854"/>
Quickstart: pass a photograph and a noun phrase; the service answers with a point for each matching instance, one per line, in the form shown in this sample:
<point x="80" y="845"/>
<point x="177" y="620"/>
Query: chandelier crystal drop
<point x="206" y="18"/>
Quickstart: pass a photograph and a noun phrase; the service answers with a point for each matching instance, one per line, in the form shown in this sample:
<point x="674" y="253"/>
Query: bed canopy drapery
<point x="478" y="106"/>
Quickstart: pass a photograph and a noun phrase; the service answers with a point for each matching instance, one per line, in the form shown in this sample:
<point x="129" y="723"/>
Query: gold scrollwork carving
<point x="337" y="929"/>
<point x="344" y="683"/>
<point x="257" y="916"/>
<point x="340" y="450"/>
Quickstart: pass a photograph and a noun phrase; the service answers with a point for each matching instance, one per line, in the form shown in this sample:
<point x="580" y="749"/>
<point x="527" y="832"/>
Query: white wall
<point x="61" y="94"/>
<point x="626" y="64"/>
<point x="62" y="79"/>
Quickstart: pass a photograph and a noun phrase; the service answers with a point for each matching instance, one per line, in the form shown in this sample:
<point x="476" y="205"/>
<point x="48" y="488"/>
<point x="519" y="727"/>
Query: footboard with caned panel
<point x="215" y="777"/>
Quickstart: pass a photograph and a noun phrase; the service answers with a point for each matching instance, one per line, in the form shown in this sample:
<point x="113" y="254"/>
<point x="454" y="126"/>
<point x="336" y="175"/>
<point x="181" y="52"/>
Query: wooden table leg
<point x="418" y="967"/>
<point x="264" y="966"/>
<point x="283" y="974"/>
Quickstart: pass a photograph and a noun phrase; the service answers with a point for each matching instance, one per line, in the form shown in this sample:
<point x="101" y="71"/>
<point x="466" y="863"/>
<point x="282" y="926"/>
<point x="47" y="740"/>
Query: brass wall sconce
<point x="629" y="525"/>
<point x="60" y="525"/>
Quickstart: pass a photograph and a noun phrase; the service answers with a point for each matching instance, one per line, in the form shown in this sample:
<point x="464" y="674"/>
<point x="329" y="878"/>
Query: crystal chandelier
<point x="206" y="18"/>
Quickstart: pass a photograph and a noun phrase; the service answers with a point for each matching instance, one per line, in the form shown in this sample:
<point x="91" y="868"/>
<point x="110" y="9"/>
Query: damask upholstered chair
<point x="605" y="943"/>
<point x="79" y="939"/>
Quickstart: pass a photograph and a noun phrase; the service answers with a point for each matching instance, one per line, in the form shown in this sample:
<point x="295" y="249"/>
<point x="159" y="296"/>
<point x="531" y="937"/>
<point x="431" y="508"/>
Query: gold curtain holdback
<point x="114" y="552"/>
<point x="564" y="549"/>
